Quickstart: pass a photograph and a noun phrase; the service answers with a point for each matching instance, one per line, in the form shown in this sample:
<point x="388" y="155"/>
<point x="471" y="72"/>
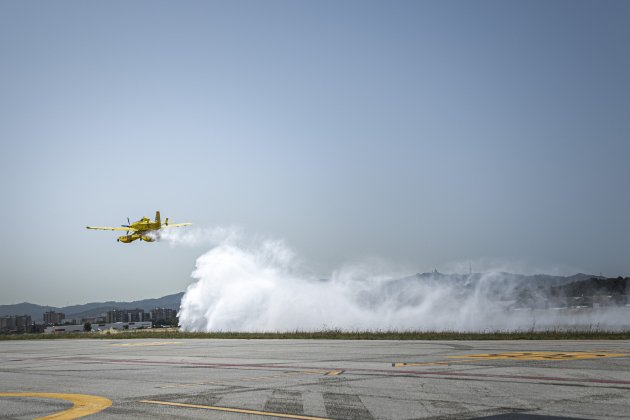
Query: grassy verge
<point x="337" y="335"/>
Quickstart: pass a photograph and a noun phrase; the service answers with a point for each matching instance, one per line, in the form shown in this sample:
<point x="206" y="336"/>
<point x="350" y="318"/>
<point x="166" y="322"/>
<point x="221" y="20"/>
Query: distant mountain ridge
<point x="90" y="309"/>
<point x="529" y="280"/>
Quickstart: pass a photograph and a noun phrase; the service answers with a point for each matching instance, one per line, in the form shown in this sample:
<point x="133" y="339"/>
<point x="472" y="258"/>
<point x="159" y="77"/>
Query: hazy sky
<point x="428" y="134"/>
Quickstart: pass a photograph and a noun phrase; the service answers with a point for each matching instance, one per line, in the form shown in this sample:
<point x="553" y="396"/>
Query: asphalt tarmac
<point x="315" y="379"/>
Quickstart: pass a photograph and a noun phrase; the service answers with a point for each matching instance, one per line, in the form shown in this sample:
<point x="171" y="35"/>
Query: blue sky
<point x="428" y="134"/>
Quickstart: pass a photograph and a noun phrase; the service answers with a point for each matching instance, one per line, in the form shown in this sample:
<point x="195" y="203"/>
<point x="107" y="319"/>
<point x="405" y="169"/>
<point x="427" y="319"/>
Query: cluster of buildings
<point x="16" y="323"/>
<point x="117" y="319"/>
<point x="156" y="316"/>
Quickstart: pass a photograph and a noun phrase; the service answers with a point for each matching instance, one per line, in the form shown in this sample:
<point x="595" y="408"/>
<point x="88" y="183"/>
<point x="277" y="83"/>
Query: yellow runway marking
<point x="312" y="372"/>
<point x="83" y="405"/>
<point x="235" y="410"/>
<point x="334" y="372"/>
<point x="538" y="355"/>
<point x="151" y="343"/>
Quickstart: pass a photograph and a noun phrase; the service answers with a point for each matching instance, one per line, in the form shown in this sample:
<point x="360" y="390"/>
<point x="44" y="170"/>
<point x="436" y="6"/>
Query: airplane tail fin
<point x="157" y="218"/>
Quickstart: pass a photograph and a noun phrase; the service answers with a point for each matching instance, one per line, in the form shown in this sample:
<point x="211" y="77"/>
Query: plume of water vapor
<point x="199" y="236"/>
<point x="259" y="286"/>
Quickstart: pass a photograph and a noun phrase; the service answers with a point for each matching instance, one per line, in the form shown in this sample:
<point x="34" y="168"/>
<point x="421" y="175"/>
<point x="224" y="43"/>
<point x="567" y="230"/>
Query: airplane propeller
<point x="128" y="225"/>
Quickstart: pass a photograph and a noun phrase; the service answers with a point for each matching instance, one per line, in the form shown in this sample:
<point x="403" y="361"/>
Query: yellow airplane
<point x="142" y="228"/>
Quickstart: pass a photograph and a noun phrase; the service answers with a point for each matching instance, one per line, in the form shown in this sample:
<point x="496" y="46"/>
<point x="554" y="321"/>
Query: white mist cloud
<point x="199" y="236"/>
<point x="259" y="286"/>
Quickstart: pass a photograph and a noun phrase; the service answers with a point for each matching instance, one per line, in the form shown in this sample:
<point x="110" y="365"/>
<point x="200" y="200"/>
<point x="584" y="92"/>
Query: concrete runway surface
<point x="315" y="379"/>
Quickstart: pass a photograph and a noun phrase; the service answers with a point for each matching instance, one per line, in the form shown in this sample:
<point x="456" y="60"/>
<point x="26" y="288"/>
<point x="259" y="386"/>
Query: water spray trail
<point x="259" y="286"/>
<point x="199" y="236"/>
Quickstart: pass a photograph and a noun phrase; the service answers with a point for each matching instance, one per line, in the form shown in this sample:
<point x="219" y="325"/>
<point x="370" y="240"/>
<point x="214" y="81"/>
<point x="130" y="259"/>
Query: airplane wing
<point x="170" y="225"/>
<point x="110" y="228"/>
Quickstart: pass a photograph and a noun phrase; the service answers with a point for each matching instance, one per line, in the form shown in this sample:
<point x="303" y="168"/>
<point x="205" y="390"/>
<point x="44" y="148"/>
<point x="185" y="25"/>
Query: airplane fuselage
<point x="144" y="229"/>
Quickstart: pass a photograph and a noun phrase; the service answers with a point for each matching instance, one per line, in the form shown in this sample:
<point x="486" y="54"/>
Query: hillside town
<point x="121" y="319"/>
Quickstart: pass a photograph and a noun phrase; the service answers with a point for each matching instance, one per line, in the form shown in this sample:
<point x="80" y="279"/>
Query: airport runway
<point x="315" y="379"/>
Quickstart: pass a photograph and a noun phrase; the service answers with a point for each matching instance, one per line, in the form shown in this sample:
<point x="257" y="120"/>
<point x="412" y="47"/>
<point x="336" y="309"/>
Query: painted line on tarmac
<point x="191" y="384"/>
<point x="532" y="355"/>
<point x="538" y="355"/>
<point x="334" y="372"/>
<point x="235" y="410"/>
<point x="82" y="405"/>
<point x="151" y="343"/>
<point x="348" y="370"/>
<point x="253" y="378"/>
